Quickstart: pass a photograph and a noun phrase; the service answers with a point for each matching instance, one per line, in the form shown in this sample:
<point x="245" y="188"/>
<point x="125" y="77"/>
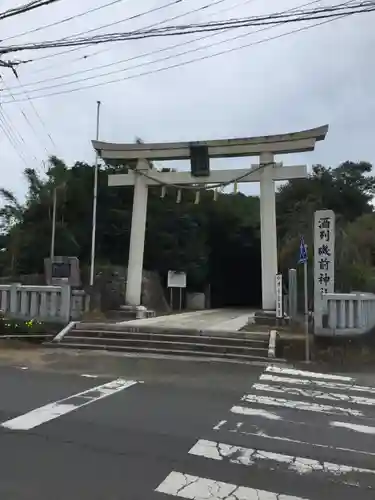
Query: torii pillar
<point x="267" y="172"/>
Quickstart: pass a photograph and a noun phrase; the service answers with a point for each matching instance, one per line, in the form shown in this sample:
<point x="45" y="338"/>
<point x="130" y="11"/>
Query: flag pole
<point x="303" y="260"/>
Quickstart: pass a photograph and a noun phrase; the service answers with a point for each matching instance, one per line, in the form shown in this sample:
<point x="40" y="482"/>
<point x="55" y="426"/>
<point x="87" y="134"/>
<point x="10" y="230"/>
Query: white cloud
<point x="301" y="81"/>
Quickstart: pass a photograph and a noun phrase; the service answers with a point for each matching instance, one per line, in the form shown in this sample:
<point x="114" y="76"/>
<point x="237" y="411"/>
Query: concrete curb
<point x="171" y="357"/>
<point x="26" y="336"/>
<point x="64" y="331"/>
<point x="272" y="344"/>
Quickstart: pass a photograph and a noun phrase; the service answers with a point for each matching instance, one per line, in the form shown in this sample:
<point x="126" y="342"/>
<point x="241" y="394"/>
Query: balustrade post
<point x="14" y="298"/>
<point x="66" y="298"/>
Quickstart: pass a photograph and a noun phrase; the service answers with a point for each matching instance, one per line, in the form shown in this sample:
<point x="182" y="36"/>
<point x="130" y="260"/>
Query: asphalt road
<point x="260" y="433"/>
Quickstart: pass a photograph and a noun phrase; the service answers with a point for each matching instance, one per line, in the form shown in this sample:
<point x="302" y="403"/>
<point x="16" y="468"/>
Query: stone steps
<point x="114" y="337"/>
<point x="154" y="329"/>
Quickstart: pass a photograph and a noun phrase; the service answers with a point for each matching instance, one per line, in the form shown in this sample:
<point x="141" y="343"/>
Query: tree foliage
<point x="348" y="190"/>
<point x="215" y="242"/>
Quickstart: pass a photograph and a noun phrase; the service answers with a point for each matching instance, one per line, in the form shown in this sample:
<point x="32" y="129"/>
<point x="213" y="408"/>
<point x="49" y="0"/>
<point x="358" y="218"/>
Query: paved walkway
<point x="211" y="319"/>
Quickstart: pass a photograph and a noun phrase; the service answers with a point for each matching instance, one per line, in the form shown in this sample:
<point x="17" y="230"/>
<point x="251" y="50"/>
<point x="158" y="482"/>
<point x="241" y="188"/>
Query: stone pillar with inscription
<point x="324" y="261"/>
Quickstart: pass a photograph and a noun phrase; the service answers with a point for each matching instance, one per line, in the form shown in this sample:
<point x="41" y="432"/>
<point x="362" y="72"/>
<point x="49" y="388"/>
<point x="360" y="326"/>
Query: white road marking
<point x="224" y="425"/>
<point x="318" y="383"/>
<point x="296" y="391"/>
<point x="86" y="375"/>
<point x="255" y="413"/>
<point x="219" y="425"/>
<point x="248" y="456"/>
<point x="295" y="405"/>
<point x="57" y="409"/>
<point x="365" y="429"/>
<point x="200" y="488"/>
<point x="302" y="373"/>
<point x="263" y="434"/>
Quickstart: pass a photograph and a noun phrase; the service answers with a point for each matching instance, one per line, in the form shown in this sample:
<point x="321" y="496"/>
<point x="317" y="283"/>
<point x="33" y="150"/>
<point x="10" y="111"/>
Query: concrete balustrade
<point x="80" y="304"/>
<point x="42" y="303"/>
<point x="345" y="314"/>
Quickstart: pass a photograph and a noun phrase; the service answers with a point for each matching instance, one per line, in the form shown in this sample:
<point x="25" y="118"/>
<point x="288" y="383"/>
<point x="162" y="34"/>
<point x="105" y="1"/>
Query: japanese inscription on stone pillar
<point x="324" y="252"/>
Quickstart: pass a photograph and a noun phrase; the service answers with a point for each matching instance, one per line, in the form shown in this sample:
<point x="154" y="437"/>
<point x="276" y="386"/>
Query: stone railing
<point x="80" y="304"/>
<point x="43" y="303"/>
<point x="345" y="314"/>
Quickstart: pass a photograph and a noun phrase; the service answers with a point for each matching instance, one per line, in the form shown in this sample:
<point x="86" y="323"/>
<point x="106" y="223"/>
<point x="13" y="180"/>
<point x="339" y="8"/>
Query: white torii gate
<point x="265" y="147"/>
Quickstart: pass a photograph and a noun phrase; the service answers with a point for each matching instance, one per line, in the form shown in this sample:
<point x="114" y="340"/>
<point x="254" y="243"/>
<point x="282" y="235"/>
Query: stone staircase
<point x="152" y="340"/>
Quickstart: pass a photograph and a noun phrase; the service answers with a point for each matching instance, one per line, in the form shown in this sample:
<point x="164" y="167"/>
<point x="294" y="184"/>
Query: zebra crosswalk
<point x="296" y="435"/>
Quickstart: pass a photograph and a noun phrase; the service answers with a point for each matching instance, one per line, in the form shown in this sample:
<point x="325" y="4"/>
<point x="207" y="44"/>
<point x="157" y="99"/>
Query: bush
<point x="13" y="326"/>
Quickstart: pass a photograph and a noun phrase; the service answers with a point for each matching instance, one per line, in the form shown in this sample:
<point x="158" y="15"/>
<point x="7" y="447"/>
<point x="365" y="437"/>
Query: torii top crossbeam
<point x="296" y="142"/>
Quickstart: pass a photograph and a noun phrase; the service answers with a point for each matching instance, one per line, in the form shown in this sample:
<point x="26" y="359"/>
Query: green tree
<point x="348" y="191"/>
<point x="11" y="219"/>
<point x="215" y="242"/>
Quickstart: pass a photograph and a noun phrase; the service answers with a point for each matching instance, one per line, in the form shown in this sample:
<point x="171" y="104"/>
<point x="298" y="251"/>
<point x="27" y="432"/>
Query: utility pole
<point x="54" y="209"/>
<point x="95" y="199"/>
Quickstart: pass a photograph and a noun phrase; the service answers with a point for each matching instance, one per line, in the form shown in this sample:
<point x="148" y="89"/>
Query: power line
<point x="28" y="121"/>
<point x="201" y="38"/>
<point x="21" y="9"/>
<point x="191" y="61"/>
<point x="11" y="140"/>
<point x="65" y="20"/>
<point x="14" y="137"/>
<point x="273" y="19"/>
<point x="13" y="134"/>
<point x="37" y="114"/>
<point x="12" y="130"/>
<point x="157" y="51"/>
<point x="84" y="57"/>
<point x="162" y="59"/>
<point x="131" y="18"/>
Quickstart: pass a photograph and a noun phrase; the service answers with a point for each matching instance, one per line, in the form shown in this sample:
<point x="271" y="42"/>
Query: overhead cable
<point x="120" y="21"/>
<point x="154" y="61"/>
<point x="140" y="56"/>
<point x="271" y="19"/>
<point x="65" y="20"/>
<point x="15" y="138"/>
<point x="168" y="19"/>
<point x="190" y="61"/>
<point x="28" y="121"/>
<point x="22" y="9"/>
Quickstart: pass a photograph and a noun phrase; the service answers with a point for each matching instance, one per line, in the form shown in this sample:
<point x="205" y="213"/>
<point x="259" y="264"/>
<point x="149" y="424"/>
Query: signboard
<point x="279" y="295"/>
<point x="62" y="270"/>
<point x="324" y="253"/>
<point x="324" y="261"/>
<point x="176" y="279"/>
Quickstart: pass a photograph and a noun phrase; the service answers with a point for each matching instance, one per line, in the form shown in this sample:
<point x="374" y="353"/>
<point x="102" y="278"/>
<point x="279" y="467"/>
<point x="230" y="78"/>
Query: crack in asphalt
<point x="300" y="465"/>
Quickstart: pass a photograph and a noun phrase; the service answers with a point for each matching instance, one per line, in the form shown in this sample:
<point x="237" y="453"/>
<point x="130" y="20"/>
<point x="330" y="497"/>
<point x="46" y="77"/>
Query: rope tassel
<point x="179" y="196"/>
